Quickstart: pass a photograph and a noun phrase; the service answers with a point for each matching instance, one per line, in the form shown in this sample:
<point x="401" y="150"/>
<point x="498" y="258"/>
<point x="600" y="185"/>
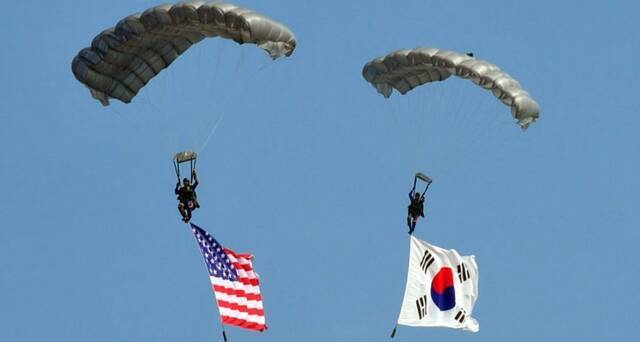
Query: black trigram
<point x="421" y="303"/>
<point x="463" y="272"/>
<point x="427" y="260"/>
<point x="461" y="315"/>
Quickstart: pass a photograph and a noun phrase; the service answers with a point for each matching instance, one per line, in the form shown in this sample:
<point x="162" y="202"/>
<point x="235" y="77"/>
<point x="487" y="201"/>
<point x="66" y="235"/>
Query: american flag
<point x="234" y="283"/>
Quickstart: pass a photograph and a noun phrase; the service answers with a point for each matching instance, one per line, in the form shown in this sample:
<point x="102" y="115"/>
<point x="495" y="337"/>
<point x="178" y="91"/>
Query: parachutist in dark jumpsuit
<point x="188" y="200"/>
<point x="415" y="209"/>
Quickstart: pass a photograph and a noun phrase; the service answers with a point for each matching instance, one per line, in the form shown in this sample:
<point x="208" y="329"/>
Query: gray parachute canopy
<point x="122" y="59"/>
<point x="406" y="69"/>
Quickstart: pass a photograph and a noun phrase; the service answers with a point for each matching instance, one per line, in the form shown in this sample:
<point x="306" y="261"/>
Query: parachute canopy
<point x="124" y="58"/>
<point x="406" y="69"/>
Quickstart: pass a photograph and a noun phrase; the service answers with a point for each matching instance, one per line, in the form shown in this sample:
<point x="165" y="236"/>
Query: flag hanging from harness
<point x="442" y="288"/>
<point x="235" y="283"/>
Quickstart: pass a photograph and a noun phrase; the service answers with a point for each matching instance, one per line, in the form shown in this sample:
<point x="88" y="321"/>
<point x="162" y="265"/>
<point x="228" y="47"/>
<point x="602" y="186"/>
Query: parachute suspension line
<point x="212" y="132"/>
<point x="488" y="134"/>
<point x="248" y="76"/>
<point x="113" y="108"/>
<point x="459" y="105"/>
<point x="478" y="140"/>
<point x="219" y="56"/>
<point x="438" y="105"/>
<point x="210" y="88"/>
<point x="209" y="79"/>
<point x="458" y="109"/>
<point x="198" y="54"/>
<point x="263" y="67"/>
<point x="156" y="109"/>
<point x="163" y="123"/>
<point x="240" y="61"/>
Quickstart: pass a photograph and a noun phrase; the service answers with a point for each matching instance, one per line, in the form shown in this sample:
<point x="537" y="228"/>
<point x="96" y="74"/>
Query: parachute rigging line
<point x="213" y="131"/>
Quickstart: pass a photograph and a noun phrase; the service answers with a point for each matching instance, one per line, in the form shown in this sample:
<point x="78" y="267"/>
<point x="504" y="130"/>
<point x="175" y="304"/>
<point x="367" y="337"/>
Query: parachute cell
<point x="124" y="58"/>
<point x="406" y="69"/>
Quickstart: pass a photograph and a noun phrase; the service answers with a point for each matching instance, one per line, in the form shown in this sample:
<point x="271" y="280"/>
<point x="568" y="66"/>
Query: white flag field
<point x="442" y="288"/>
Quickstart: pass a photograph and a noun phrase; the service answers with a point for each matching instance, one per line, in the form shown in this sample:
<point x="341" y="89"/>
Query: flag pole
<point x="224" y="334"/>
<point x="393" y="333"/>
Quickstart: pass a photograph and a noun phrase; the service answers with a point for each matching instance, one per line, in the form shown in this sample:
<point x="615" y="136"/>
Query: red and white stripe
<point x="240" y="302"/>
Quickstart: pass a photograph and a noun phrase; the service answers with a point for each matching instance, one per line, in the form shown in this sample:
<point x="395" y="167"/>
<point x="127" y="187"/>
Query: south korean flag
<point x="442" y="288"/>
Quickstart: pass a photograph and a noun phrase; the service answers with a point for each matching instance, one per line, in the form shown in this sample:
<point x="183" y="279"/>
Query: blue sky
<point x="309" y="170"/>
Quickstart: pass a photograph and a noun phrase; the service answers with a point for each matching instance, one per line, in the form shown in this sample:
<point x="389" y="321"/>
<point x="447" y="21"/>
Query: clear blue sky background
<point x="309" y="170"/>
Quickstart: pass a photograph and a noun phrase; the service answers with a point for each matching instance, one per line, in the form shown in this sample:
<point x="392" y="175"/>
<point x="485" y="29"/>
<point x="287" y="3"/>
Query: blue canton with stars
<point x="216" y="259"/>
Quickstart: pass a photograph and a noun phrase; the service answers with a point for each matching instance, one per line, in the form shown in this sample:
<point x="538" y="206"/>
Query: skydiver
<point x="415" y="209"/>
<point x="187" y="197"/>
